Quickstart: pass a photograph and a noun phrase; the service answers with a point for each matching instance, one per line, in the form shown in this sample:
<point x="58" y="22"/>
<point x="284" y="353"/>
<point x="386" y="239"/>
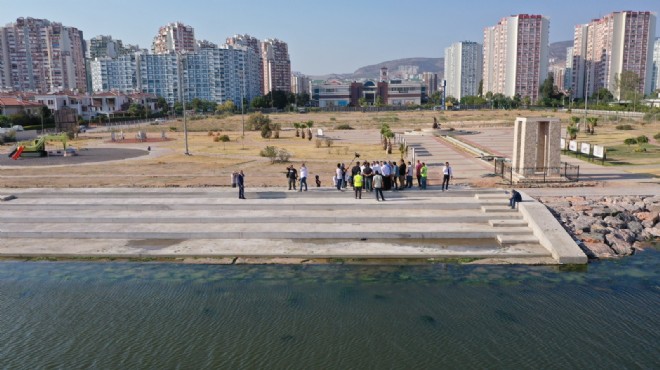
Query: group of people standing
<point x="385" y="175"/>
<point x="368" y="176"/>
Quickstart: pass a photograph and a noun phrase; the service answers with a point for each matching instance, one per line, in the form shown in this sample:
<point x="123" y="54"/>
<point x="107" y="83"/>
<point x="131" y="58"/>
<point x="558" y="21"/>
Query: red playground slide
<point x="18" y="153"/>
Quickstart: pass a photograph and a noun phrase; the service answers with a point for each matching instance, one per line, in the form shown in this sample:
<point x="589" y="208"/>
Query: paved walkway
<point x="203" y="223"/>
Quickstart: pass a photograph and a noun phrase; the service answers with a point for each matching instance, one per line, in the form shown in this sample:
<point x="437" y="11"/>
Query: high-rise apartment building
<point x="655" y="79"/>
<point x="515" y="55"/>
<point x="568" y="71"/>
<point x="106" y="47"/>
<point x="174" y="37"/>
<point x="300" y="83"/>
<point x="605" y="48"/>
<point x="463" y="68"/>
<point x="41" y="56"/>
<point x="430" y="81"/>
<point x="253" y="44"/>
<point x="276" y="66"/>
<point x="119" y="74"/>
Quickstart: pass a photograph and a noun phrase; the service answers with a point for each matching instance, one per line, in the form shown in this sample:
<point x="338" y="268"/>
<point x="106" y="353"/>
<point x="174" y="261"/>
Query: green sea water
<point x="72" y="315"/>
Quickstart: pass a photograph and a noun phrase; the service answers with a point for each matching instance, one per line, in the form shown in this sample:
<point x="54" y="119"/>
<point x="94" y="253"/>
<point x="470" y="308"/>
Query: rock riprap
<point x="608" y="227"/>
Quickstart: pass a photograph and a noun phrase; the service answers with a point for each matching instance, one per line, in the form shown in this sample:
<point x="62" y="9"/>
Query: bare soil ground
<point x="211" y="162"/>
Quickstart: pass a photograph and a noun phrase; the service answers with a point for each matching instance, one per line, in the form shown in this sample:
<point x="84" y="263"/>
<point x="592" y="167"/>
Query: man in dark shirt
<point x="240" y="181"/>
<point x="402" y="175"/>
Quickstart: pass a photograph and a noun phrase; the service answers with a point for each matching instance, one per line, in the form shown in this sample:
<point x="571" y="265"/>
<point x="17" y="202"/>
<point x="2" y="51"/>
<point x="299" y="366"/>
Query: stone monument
<point x="536" y="146"/>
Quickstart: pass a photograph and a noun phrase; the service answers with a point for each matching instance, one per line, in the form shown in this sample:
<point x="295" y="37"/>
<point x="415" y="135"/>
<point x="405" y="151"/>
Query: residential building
<point x="515" y="56"/>
<point x="299" y="83"/>
<point x="558" y="72"/>
<point x="568" y="72"/>
<point x="276" y="66"/>
<point x="334" y="93"/>
<point x="430" y="81"/>
<point x="218" y="74"/>
<point x="81" y="104"/>
<point x="119" y="74"/>
<point x="463" y="68"/>
<point x="655" y="79"/>
<point x="106" y="47"/>
<point x="605" y="48"/>
<point x="174" y="37"/>
<point x="10" y="105"/>
<point x="38" y="55"/>
<point x="252" y="43"/>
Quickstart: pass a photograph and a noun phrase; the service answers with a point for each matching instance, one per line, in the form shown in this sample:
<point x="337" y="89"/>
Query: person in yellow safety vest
<point x="424" y="173"/>
<point x="357" y="185"/>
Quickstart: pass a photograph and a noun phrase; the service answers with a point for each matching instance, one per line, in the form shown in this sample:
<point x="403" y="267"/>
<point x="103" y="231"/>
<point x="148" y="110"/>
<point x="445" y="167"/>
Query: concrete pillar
<point x="536" y="145"/>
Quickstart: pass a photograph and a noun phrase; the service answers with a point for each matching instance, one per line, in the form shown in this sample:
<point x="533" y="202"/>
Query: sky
<point x="337" y="36"/>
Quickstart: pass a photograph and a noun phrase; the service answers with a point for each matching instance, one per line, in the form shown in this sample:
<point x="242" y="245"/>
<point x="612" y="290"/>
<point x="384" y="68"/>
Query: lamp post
<point x="183" y="100"/>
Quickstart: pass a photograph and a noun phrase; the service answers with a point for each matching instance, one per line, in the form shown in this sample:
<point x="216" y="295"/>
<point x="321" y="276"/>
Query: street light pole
<point x="183" y="99"/>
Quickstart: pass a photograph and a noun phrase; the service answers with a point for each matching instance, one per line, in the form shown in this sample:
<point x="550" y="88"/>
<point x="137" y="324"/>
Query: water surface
<point x="148" y="315"/>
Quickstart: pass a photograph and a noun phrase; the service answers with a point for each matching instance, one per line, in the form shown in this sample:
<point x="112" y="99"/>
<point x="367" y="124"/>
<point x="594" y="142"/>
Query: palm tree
<point x="572" y="131"/>
<point x="593" y="122"/>
<point x="297" y="126"/>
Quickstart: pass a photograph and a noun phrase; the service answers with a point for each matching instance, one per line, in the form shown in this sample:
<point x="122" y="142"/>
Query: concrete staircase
<point x="320" y="223"/>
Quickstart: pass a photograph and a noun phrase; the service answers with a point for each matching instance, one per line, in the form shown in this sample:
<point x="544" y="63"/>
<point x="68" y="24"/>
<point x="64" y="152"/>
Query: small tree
<point x="257" y="120"/>
<point x="266" y="131"/>
<point x="572" y="131"/>
<point x="575" y="120"/>
<point x="591" y="124"/>
<point x="297" y="127"/>
<point x="642" y="139"/>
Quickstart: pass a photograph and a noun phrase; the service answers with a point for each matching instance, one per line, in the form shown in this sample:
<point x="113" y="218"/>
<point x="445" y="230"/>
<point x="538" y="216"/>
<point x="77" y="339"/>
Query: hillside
<point x="557" y="55"/>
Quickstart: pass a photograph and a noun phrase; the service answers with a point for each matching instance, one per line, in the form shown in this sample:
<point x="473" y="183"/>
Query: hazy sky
<point x="336" y="36"/>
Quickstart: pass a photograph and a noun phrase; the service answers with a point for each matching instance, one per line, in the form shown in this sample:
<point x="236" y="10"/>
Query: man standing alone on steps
<point x="447" y="174"/>
<point x="303" y="177"/>
<point x="240" y="181"/>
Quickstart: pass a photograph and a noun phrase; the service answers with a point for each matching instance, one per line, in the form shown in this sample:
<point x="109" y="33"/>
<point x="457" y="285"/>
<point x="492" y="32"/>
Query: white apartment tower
<point x="41" y="56"/>
<point x="515" y="54"/>
<point x="463" y="68"/>
<point x="606" y="47"/>
<point x="656" y="66"/>
<point x="174" y="37"/>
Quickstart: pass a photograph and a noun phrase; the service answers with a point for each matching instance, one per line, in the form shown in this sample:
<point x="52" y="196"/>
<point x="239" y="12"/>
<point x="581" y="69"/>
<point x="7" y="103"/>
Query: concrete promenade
<point x="271" y="223"/>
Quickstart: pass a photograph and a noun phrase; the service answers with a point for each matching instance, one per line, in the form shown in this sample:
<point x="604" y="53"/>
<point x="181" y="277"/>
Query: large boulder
<point x="584" y="223"/>
<point x="621" y="242"/>
<point x="597" y="250"/>
<point x="615" y="222"/>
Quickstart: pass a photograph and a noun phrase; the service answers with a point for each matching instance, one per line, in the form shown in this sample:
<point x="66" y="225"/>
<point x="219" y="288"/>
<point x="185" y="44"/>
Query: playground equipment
<point x="37" y="147"/>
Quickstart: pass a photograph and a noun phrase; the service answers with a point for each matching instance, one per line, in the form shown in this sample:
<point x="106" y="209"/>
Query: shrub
<point x="269" y="152"/>
<point x="333" y="119"/>
<point x="343" y="126"/>
<point x="642" y="139"/>
<point x="657" y="136"/>
<point x="222" y="138"/>
<point x="266" y="132"/>
<point x="318" y="143"/>
<point x="283" y="155"/>
<point x="624" y="127"/>
<point x="257" y="120"/>
<point x="173" y="128"/>
<point x="210" y="133"/>
<point x="328" y="142"/>
<point x="630" y="141"/>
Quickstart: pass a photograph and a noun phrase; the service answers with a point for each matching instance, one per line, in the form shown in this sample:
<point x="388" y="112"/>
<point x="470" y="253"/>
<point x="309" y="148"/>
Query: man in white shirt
<point x="303" y="177"/>
<point x="447" y="174"/>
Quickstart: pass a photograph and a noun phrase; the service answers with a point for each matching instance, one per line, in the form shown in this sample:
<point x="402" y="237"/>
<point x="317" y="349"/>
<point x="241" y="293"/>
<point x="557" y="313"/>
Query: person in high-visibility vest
<point x="424" y="174"/>
<point x="357" y="185"/>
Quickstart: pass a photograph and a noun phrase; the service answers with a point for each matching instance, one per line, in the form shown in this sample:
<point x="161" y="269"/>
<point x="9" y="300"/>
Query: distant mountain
<point x="436" y="65"/>
<point x="557" y="52"/>
<point x="557" y="55"/>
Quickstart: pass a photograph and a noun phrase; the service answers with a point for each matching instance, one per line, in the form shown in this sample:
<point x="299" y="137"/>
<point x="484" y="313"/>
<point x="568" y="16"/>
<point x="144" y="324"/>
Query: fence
<point x="538" y="174"/>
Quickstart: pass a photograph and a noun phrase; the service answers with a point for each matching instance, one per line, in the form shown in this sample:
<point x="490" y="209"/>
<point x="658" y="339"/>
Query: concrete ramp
<point x="272" y="223"/>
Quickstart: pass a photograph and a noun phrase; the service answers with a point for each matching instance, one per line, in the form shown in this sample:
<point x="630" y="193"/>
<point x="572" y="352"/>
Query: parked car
<point x="157" y="121"/>
<point x="17" y="128"/>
